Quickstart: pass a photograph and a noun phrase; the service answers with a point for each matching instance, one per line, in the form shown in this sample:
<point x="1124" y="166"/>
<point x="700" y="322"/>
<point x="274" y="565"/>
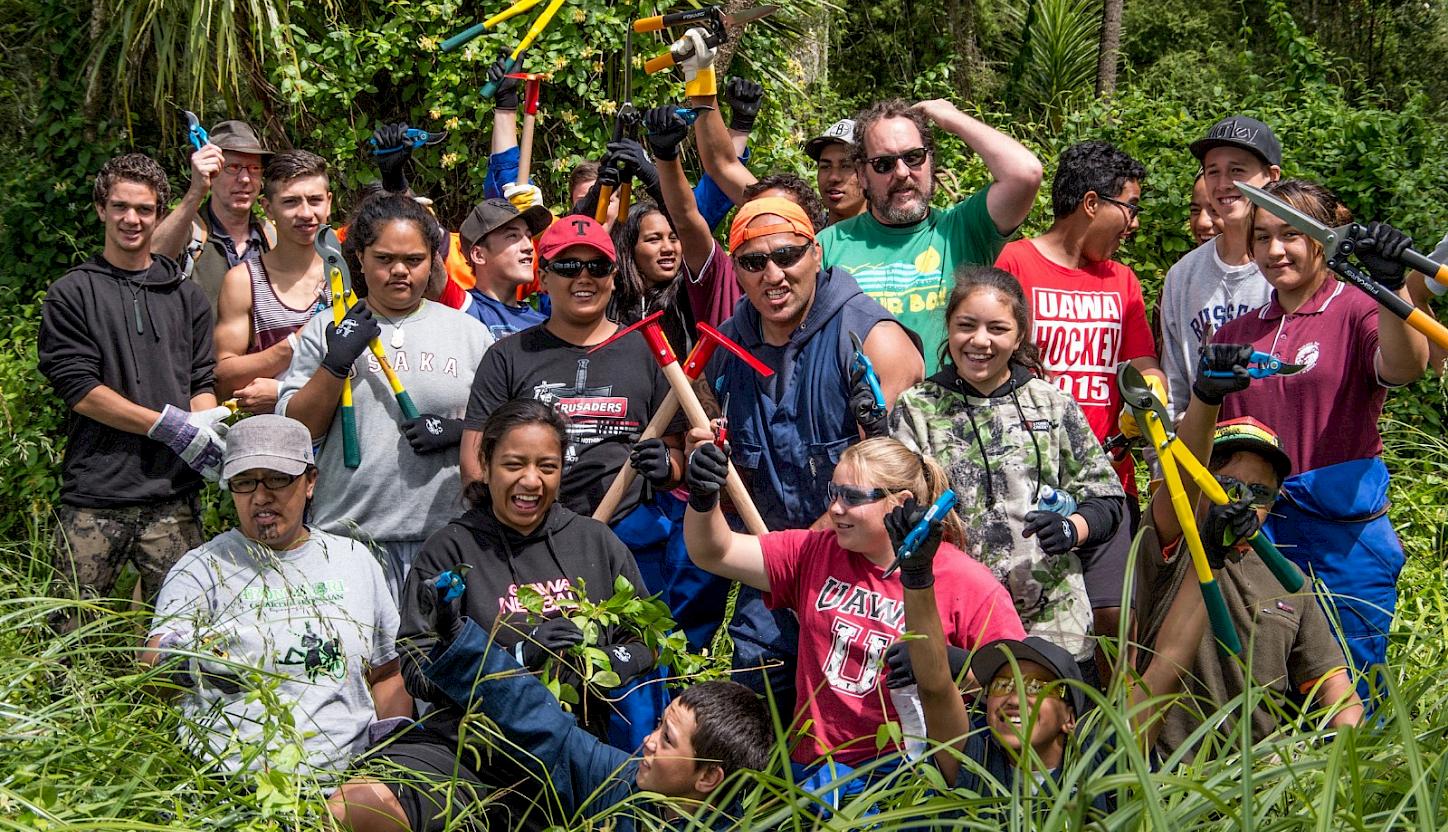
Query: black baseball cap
<point x="990" y="658"/>
<point x="1243" y="132"/>
<point x="491" y="214"/>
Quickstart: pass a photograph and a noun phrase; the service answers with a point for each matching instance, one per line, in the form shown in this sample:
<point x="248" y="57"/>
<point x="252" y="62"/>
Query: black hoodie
<point x="565" y="550"/>
<point x="145" y="335"/>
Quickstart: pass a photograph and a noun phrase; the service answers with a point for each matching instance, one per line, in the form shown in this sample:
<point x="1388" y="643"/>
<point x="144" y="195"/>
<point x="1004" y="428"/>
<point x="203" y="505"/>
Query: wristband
<point x="703" y="84"/>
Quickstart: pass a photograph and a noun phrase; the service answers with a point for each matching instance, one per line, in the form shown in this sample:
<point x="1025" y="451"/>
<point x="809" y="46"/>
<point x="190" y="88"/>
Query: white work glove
<point x="523" y="197"/>
<point x="199" y="437"/>
<point x="698" y="68"/>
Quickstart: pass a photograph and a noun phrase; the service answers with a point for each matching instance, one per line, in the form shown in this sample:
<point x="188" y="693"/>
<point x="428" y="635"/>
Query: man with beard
<point x="903" y="252"/>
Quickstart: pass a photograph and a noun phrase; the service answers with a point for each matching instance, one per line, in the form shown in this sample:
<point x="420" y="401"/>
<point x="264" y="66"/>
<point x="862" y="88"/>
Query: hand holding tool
<point x="198" y="437"/>
<point x="651" y="458"/>
<point x="198" y="135"/>
<point x="713" y="24"/>
<point x="921" y="542"/>
<point x="330" y="250"/>
<point x="515" y="60"/>
<point x="705" y="474"/>
<point x="1338" y="243"/>
<point x="1257" y="364"/>
<point x="1380" y="250"/>
<point x="401" y="137"/>
<point x="867" y="400"/>
<point x="665" y="129"/>
<point x="448" y="588"/>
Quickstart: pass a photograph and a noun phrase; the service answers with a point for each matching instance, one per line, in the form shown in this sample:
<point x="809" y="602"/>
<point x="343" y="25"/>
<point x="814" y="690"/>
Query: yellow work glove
<point x="698" y="68"/>
<point x="523" y="197"/>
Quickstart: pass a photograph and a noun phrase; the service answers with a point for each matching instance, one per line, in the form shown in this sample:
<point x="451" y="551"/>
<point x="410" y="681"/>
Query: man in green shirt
<point x="903" y="252"/>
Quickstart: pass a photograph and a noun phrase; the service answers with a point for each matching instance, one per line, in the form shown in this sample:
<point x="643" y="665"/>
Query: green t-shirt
<point x="910" y="270"/>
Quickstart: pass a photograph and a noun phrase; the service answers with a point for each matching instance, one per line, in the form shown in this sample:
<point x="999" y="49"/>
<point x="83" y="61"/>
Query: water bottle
<point x="912" y="719"/>
<point x="1058" y="501"/>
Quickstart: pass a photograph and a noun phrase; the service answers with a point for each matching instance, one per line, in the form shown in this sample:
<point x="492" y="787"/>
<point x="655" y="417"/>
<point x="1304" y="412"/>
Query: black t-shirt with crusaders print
<point x="607" y="396"/>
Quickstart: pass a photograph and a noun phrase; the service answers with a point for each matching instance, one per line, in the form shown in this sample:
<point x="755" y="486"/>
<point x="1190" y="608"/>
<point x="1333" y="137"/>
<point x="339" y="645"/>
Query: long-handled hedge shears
<point x="515" y="59"/>
<point x="1338" y="243"/>
<point x="1174" y="456"/>
<point x="712" y="18"/>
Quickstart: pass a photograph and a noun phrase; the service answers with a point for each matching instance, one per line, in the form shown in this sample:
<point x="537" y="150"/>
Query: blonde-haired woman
<point x="834" y="580"/>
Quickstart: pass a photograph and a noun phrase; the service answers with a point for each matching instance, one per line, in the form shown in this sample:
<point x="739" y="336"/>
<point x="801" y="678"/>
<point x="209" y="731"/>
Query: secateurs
<point x="414" y="138"/>
<point x="711" y="18"/>
<point x="1262" y="365"/>
<point x="863" y="364"/>
<point x="933" y="517"/>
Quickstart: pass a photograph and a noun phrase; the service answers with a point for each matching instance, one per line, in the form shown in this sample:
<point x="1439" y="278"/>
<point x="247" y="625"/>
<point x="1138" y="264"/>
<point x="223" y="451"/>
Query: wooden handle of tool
<point x="626" y="475"/>
<point x="661" y="61"/>
<point x="525" y="149"/>
<point x="689" y="402"/>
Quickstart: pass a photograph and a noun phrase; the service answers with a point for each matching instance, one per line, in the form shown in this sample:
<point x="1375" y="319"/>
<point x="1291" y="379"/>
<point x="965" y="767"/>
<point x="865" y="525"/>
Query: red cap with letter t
<point x="575" y="230"/>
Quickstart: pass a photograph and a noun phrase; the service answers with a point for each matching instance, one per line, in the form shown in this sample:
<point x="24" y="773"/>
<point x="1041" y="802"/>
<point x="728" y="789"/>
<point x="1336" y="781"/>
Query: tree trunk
<point x="1110" y="50"/>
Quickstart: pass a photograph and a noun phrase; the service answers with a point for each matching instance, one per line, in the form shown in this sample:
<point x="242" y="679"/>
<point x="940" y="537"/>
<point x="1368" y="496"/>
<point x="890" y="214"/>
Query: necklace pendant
<point x="398" y="338"/>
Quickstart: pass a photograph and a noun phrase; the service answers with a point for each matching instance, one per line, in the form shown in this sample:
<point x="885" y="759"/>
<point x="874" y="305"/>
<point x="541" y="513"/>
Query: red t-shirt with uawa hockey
<point x="849" y="614"/>
<point x="1086" y="322"/>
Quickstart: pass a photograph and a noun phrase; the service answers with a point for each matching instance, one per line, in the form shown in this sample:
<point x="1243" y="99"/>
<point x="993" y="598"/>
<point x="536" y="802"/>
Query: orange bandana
<point x="794" y="218"/>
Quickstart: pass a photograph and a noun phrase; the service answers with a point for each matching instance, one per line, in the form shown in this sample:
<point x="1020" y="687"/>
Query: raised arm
<point x="712" y="545"/>
<point x="174" y="231"/>
<point x="717" y="153"/>
<point x="1015" y="169"/>
<point x="666" y="130"/>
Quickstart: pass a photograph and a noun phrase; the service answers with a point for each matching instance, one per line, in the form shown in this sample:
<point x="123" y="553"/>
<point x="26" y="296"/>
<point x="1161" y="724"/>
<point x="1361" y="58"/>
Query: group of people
<point x="389" y="544"/>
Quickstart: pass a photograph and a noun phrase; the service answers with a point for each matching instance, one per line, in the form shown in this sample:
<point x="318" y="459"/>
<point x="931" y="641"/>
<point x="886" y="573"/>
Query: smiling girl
<point x="1003" y="433"/>
<point x="650" y="261"/>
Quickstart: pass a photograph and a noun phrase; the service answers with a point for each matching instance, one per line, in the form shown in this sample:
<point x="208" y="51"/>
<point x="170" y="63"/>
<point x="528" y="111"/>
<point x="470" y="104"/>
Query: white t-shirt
<point x="308" y="623"/>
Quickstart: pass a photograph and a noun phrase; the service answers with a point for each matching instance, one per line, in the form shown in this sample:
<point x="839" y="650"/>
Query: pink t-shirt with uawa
<point x="849" y="614"/>
<point x="1327" y="413"/>
<point x="1086" y="322"/>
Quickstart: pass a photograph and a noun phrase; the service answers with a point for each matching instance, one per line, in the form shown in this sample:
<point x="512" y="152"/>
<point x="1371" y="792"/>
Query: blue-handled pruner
<point x="862" y="364"/>
<point x="933" y="517"/>
<point x="199" y="137"/>
<point x="691" y="114"/>
<point x="453" y="582"/>
<point x="416" y="139"/>
<point x="1262" y="365"/>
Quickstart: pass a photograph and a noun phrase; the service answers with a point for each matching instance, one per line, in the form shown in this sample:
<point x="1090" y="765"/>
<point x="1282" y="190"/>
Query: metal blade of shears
<point x="1329" y="238"/>
<point x="748" y="15"/>
<point x="329" y="248"/>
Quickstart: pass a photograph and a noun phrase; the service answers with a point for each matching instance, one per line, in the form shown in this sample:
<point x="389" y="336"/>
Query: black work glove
<point x="390" y="165"/>
<point x="430" y="433"/>
<point x="916" y="571"/>
<point x="872" y="419"/>
<point x="901" y="675"/>
<point x="447" y="593"/>
<point x="506" y="96"/>
<point x="548" y="639"/>
<point x="1226" y="526"/>
<point x="743" y="97"/>
<point x="707" y="469"/>
<point x="1225" y="358"/>
<point x="665" y="130"/>
<point x="628" y="155"/>
<point x="1381" y="253"/>
<point x="651" y="459"/>
<point x="347" y="340"/>
<point x="629" y="659"/>
<point x="1055" y="532"/>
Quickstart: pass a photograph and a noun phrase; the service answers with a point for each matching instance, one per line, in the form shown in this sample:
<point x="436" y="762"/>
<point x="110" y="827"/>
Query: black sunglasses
<point x="853" y="497"/>
<point x="1131" y="210"/>
<point x="783" y="257"/>
<point x="275" y="481"/>
<point x="569" y="269"/>
<point x="913" y="159"/>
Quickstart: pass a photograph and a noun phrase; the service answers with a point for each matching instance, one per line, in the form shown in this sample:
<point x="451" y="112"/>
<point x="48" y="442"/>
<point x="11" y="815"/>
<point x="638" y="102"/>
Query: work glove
<point x="1224" y="358"/>
<point x="651" y="459"/>
<point x="629" y="660"/>
<point x="918" y="570"/>
<point x="199" y="437"/>
<point x="1126" y="422"/>
<point x="872" y="419"/>
<point x="447" y="618"/>
<point x="430" y="433"/>
<point x="743" y="97"/>
<point x="506" y="95"/>
<point x="394" y="178"/>
<point x="705" y="475"/>
<point x="523" y="197"/>
<point x="1227" y="526"/>
<point x="628" y="155"/>
<point x="1381" y="253"/>
<point x="547" y="640"/>
<point x="899" y="673"/>
<point x="1055" y="532"/>
<point x="698" y="68"/>
<point x="347" y="339"/>
<point x="665" y="130"/>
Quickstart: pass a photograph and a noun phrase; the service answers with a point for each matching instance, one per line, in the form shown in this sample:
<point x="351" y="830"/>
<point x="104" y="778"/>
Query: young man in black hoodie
<point x="126" y="344"/>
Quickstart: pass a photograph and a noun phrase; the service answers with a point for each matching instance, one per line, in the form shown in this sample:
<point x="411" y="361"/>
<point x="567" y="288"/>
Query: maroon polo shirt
<point x="1328" y="413"/>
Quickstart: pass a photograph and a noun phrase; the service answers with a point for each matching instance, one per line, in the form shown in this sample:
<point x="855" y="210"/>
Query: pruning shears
<point x="933" y="517"/>
<point x="691" y="114"/>
<point x="1338" y="243"/>
<point x="1174" y="457"/>
<point x="863" y="364"/>
<point x="1261" y="366"/>
<point x="415" y="139"/>
<point x="199" y="137"/>
<point x="624" y="122"/>
<point x="515" y="59"/>
<point x="712" y="18"/>
<point x="453" y="580"/>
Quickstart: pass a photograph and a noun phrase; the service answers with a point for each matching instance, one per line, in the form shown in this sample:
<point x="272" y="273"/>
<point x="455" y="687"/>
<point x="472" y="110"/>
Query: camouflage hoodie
<point x="998" y="450"/>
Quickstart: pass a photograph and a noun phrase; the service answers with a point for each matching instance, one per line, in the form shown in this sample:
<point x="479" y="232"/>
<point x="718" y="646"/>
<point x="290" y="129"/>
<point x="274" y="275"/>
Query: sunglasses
<point x="1006" y="685"/>
<point x="1262" y="496"/>
<point x="783" y="257"/>
<point x="853" y="497"/>
<point x="569" y="269"/>
<point x="275" y="481"/>
<point x="913" y="159"/>
<point x="1132" y="211"/>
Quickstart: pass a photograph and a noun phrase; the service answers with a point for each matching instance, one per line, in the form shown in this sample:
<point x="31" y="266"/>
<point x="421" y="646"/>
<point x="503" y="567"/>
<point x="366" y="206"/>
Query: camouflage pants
<point x="92" y="544"/>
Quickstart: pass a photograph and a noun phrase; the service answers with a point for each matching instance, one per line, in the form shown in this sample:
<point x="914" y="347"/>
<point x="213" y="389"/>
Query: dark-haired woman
<point x="1003" y="434"/>
<point x="514" y="535"/>
<point x="407" y="485"/>
<point x="1331" y="517"/>
<point x="650" y="262"/>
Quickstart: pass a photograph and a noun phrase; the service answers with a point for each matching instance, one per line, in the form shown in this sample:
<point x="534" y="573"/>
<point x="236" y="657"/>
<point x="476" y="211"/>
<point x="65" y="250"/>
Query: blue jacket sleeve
<point x="502" y="170"/>
<point x="587" y="774"/>
<point x="713" y="205"/>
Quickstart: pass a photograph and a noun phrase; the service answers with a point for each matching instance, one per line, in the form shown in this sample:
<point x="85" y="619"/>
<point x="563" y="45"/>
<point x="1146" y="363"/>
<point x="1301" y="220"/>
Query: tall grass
<point x="87" y="743"/>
